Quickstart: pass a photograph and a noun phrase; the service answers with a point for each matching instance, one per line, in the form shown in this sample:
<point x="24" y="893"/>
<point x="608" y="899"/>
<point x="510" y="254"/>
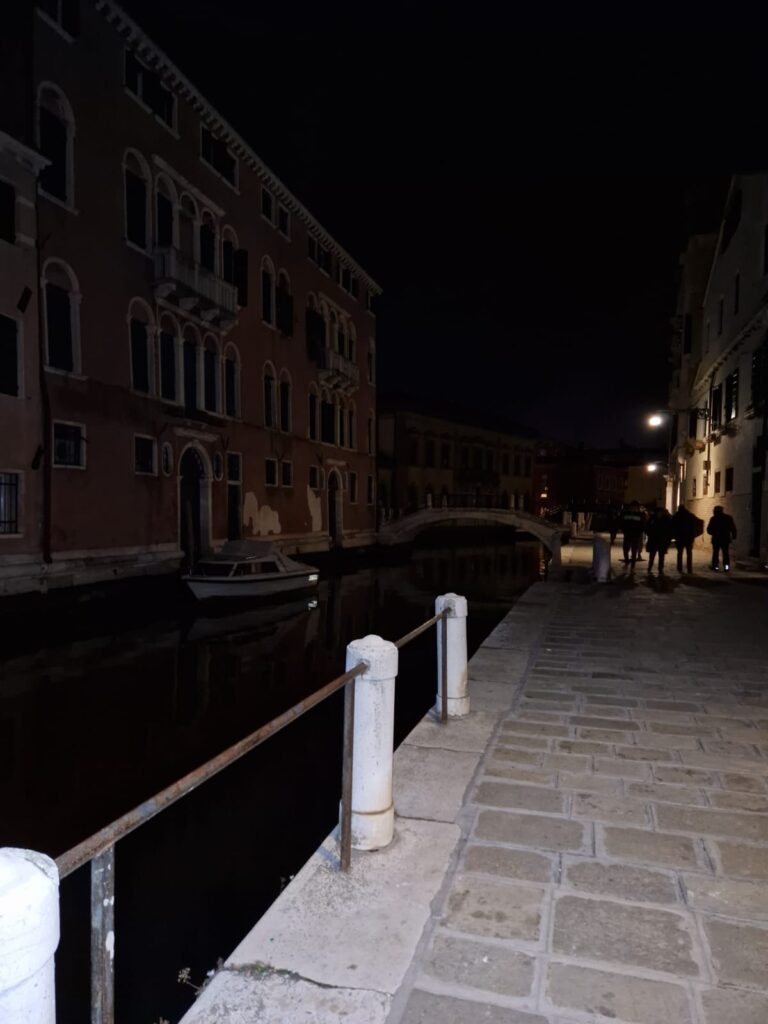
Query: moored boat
<point x="248" y="568"/>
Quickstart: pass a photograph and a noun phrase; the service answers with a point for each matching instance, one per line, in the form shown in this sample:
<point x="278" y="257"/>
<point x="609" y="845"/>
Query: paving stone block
<point x="567" y="762"/>
<point x="514" y="774"/>
<point x="680" y="775"/>
<point x="603" y="735"/>
<point x="739" y="801"/>
<point x="635" y="1000"/>
<point x="650" y="847"/>
<point x="734" y="1006"/>
<point x="499" y="910"/>
<point x="673" y="705"/>
<point x="659" y="739"/>
<point x="605" y="711"/>
<point x="730" y="749"/>
<point x="547" y="695"/>
<point x="529" y="798"/>
<point x="741" y="860"/>
<point x="625" y="881"/>
<point x="633" y="753"/>
<point x="516" y="756"/>
<point x="680" y="729"/>
<point x="716" y="823"/>
<point x="602" y="807"/>
<point x="544" y="705"/>
<point x="727" y="896"/>
<point x="595" y="929"/>
<point x="700" y="759"/>
<point x="610" y="724"/>
<point x="480" y="965"/>
<point x="583" y="747"/>
<point x="745" y="783"/>
<point x="545" y="717"/>
<point x="533" y="830"/>
<point x="619" y="702"/>
<point x="426" y="1008"/>
<point x="590" y="783"/>
<point x="510" y="739"/>
<point x="667" y="794"/>
<point x="626" y="769"/>
<point x="739" y="951"/>
<point x="500" y="860"/>
<point x="534" y="728"/>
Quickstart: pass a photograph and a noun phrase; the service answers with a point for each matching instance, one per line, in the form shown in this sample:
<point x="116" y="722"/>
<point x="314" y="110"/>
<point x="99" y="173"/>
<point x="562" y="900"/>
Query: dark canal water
<point x="90" y="729"/>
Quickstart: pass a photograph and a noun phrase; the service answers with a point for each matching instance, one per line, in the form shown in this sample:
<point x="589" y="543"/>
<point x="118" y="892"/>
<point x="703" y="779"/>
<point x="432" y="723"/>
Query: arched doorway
<point x="334" y="508"/>
<point x="193" y="506"/>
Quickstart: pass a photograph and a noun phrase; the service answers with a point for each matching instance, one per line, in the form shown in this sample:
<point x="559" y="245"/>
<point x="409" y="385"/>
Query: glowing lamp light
<point x="655" y="420"/>
<point x="652" y="467"/>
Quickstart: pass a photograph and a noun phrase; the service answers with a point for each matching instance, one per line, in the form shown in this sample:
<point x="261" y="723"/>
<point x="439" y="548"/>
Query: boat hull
<point x="241" y="586"/>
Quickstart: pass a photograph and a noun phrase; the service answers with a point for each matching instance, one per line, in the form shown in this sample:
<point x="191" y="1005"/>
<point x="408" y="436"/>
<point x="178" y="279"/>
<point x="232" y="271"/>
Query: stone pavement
<point x="614" y="865"/>
<point x="589" y="844"/>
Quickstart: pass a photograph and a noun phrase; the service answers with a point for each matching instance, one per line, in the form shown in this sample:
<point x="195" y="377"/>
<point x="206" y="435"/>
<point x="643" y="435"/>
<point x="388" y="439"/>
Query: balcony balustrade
<point x="195" y="287"/>
<point x="337" y="371"/>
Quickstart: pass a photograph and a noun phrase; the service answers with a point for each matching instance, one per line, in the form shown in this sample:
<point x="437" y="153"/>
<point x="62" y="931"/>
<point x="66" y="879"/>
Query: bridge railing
<point x="501" y="502"/>
<point x="29" y="922"/>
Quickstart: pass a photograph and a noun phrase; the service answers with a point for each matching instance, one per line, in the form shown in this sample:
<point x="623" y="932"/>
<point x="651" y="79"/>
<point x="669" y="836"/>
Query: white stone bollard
<point x="455" y="625"/>
<point x="29" y="935"/>
<point x="373" y="812"/>
<point x="601" y="559"/>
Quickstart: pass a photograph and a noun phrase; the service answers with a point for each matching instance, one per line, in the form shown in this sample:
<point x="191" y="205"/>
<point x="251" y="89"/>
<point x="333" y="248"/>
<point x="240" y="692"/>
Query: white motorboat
<point x="248" y="568"/>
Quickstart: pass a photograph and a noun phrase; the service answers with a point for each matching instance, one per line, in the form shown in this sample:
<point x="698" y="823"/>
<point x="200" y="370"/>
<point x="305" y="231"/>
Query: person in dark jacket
<point x="632" y="526"/>
<point x="685" y="530"/>
<point x="658" y="530"/>
<point x="722" y="530"/>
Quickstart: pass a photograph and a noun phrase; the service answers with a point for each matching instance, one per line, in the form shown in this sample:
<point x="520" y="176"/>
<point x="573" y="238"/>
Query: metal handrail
<point x="99" y="848"/>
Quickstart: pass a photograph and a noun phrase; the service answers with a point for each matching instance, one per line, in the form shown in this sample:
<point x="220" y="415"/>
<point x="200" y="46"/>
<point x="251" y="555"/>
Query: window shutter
<point x="241" y="276"/>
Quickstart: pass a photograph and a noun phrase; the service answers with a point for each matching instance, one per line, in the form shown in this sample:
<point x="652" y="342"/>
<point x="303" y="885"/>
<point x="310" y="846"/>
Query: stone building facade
<point x="202" y="366"/>
<point x="435" y="457"/>
<point x="719" y="391"/>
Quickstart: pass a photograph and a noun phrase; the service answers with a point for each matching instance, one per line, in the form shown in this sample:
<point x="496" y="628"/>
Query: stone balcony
<point x="336" y="371"/>
<point x="195" y="288"/>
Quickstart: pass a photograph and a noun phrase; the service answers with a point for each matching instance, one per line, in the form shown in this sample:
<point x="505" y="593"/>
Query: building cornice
<point x="154" y="57"/>
<point x="24" y="155"/>
<point x="757" y="322"/>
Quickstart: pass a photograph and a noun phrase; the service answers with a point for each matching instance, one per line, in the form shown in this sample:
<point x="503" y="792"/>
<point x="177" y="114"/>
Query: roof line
<point x="128" y="28"/>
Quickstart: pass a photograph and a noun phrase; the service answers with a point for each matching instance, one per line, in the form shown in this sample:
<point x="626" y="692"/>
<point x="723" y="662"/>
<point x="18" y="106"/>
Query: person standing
<point x="658" y="530"/>
<point x="632" y="528"/>
<point x="686" y="527"/>
<point x="722" y="530"/>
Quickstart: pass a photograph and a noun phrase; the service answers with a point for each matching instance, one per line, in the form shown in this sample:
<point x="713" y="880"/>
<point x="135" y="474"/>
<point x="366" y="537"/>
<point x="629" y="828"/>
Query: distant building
<point x="195" y="359"/>
<point x="435" y="455"/>
<point x="719" y="387"/>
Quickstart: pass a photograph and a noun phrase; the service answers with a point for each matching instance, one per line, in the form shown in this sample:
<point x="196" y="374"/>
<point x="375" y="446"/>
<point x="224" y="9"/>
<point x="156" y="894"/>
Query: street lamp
<point x="656" y="419"/>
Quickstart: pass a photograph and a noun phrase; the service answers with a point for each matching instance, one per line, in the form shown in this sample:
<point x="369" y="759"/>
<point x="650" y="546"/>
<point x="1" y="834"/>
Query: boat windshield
<point x="255" y="568"/>
<point x="212" y="569"/>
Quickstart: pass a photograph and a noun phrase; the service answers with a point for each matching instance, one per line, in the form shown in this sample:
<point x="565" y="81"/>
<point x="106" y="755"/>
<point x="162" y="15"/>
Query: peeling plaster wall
<point x="315" y="506"/>
<point x="259" y="521"/>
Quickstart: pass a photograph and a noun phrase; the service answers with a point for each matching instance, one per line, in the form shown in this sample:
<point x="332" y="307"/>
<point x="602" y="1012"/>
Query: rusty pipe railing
<point x="99" y="848"/>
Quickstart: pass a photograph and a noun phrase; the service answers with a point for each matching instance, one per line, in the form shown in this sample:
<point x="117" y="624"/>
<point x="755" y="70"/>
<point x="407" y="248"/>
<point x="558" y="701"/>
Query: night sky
<point x="521" y="196"/>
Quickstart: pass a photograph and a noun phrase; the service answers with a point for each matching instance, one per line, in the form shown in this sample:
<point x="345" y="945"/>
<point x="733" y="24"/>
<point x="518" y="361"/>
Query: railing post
<point x="373" y="812"/>
<point x="601" y="559"/>
<point x="452" y="655"/>
<point x="29" y="935"/>
<point x="103" y="937"/>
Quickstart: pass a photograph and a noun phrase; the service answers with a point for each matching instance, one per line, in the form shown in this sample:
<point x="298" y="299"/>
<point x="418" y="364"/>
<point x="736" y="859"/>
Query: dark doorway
<point x="191" y="473"/>
<point x="334" y="512"/>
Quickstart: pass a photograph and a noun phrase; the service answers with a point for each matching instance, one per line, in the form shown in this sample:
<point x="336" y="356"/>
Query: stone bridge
<point x="407" y="527"/>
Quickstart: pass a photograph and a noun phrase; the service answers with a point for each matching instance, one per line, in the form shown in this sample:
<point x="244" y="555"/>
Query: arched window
<point x="351" y="426"/>
<point x="334" y="331"/>
<point x="315" y="329"/>
<point x="211" y="374"/>
<point x="169" y="358"/>
<point x="229" y="247"/>
<point x="165" y="212"/>
<point x="141" y="331"/>
<point x="284" y="301"/>
<point x="208" y="242"/>
<point x="191" y="374"/>
<point x="231" y="382"/>
<point x="56" y="142"/>
<point x="286" y="414"/>
<point x="342" y="338"/>
<point x="314" y="403"/>
<point x="342" y="429"/>
<point x="270" y="410"/>
<point x="327" y="419"/>
<point x="187" y="226"/>
<point x="351" y="343"/>
<point x="268" y="292"/>
<point x="136" y="179"/>
<point x="62" y="317"/>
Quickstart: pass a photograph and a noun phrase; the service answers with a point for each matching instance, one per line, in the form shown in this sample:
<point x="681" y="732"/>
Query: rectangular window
<point x="59" y="323"/>
<point x="167" y="367"/>
<point x="717" y="481"/>
<point x="312" y="416"/>
<point x="283" y="221"/>
<point x="760" y="375"/>
<point x="68" y="445"/>
<point x="314" y="477"/>
<point x="9" y="503"/>
<point x="353" y="488"/>
<point x="148" y="86"/>
<point x="7" y="212"/>
<point x="234" y="495"/>
<point x="285" y="406"/>
<point x="728" y="479"/>
<point x="269" y="401"/>
<point x="284" y="304"/>
<point x="144" y="451"/>
<point x="139" y="357"/>
<point x="369" y="491"/>
<point x="9" y="357"/>
<point x="717" y="406"/>
<point x="312" y="249"/>
<point x="720" y="317"/>
<point x="270" y="472"/>
<point x="731" y="396"/>
<point x="354" y="287"/>
<point x="210" y="380"/>
<point x="736" y="283"/>
<point x="323" y="258"/>
<point x="286" y="471"/>
<point x="217" y="155"/>
<point x="371" y="439"/>
<point x="267" y="206"/>
<point x="346" y="279"/>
